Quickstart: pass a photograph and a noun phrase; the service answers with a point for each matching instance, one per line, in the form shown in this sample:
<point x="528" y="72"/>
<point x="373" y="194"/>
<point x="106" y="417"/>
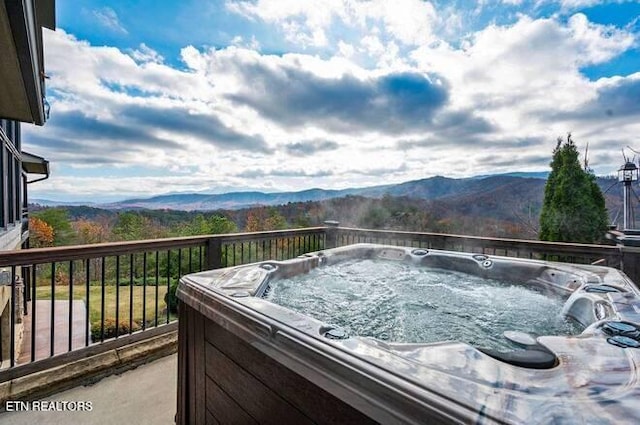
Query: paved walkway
<point x="146" y="395"/>
<point x="43" y="329"/>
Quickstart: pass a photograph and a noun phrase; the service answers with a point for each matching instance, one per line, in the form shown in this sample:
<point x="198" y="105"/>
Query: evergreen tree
<point x="574" y="206"/>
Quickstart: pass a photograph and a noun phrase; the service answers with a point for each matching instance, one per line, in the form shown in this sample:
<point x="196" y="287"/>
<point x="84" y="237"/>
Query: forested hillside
<point x="500" y="207"/>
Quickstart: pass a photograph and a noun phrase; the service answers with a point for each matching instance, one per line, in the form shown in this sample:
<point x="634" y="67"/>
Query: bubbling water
<point x="398" y="302"/>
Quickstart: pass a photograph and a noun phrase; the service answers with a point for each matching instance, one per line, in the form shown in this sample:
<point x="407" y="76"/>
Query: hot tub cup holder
<point x="269" y="267"/>
<point x="480" y="257"/>
<point x="419" y="252"/>
<point x="333" y="332"/>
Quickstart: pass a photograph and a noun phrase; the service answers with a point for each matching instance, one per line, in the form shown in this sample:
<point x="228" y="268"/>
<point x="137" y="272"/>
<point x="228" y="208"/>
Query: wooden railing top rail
<point x="79" y="252"/>
<point x="532" y="245"/>
<point x="252" y="236"/>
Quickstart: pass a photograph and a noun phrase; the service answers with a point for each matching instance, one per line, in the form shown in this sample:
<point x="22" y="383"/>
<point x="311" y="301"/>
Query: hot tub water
<point x="399" y="302"/>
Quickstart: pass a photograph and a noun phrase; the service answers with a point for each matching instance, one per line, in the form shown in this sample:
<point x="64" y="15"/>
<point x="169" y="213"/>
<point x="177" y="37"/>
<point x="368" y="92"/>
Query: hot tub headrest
<point x="536" y="357"/>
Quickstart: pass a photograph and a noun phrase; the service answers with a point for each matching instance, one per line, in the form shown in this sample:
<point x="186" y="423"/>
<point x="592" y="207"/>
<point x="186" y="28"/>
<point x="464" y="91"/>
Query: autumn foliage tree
<point x="58" y="220"/>
<point x="90" y="232"/>
<point x="40" y="233"/>
<point x="262" y="219"/>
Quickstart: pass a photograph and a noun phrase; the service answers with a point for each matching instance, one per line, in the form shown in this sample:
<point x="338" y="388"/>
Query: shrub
<point x="170" y="297"/>
<point x="110" y="328"/>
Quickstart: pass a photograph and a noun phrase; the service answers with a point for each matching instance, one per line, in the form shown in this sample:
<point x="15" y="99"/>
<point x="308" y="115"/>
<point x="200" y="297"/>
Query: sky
<point x="153" y="97"/>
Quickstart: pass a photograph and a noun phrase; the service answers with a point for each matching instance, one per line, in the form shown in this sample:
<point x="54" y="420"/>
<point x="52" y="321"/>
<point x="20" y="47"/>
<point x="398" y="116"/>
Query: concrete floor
<point x="146" y="395"/>
<point x="61" y="329"/>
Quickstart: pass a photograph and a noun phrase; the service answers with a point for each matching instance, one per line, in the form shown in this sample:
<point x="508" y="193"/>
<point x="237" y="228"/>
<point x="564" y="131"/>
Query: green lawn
<point x="95" y="301"/>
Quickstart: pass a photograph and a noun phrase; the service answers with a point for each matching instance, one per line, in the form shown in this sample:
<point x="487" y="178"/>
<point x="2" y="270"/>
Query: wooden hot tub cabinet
<point x="224" y="380"/>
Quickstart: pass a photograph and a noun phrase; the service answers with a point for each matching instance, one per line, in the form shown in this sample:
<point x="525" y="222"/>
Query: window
<point x="3" y="187"/>
<point x="10" y="192"/>
<point x="10" y="174"/>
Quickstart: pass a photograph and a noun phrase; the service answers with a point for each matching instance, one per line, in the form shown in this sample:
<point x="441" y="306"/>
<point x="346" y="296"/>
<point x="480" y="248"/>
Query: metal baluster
<point x="131" y="270"/>
<point x="168" y="282"/>
<point x="117" y="296"/>
<point x="70" y="305"/>
<point x="102" y="301"/>
<point x="155" y="322"/>
<point x="86" y="311"/>
<point x="144" y="291"/>
<point x="33" y="314"/>
<point x="52" y="332"/>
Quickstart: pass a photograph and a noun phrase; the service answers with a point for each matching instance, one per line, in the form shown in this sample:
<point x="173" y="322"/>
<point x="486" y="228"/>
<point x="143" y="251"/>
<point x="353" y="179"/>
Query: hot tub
<point x="244" y="359"/>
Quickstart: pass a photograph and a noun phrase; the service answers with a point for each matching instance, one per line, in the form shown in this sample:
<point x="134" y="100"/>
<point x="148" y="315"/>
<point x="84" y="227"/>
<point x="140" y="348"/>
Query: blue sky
<point x="155" y="97"/>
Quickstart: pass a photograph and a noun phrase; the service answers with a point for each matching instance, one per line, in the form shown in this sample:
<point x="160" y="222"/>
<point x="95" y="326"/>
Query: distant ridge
<point x="503" y="200"/>
<point x="525" y="174"/>
<point x="50" y="203"/>
<point x="432" y="188"/>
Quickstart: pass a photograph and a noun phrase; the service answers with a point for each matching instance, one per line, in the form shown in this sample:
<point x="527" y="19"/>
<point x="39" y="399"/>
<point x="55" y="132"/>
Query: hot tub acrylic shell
<point x="244" y="358"/>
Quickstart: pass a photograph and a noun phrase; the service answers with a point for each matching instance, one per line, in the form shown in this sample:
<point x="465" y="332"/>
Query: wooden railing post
<point x="214" y="253"/>
<point x="331" y="240"/>
<point x="630" y="263"/>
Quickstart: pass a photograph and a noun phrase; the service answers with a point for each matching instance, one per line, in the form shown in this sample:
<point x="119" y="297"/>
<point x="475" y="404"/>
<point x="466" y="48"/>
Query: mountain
<point x="501" y="206"/>
<point x="429" y="189"/>
<point x="527" y="174"/>
<point x="229" y="201"/>
<point x="50" y="203"/>
<point x="496" y="196"/>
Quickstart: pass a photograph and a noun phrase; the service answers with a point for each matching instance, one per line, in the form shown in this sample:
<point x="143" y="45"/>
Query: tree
<point x="212" y="225"/>
<point x="263" y="219"/>
<point x="58" y="219"/>
<point x="40" y="233"/>
<point x="132" y="226"/>
<point x="574" y="207"/>
<point x="90" y="231"/>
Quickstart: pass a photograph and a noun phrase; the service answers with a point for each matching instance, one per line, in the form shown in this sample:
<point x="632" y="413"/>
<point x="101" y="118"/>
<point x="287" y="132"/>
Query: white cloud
<point x="365" y="111"/>
<point x="108" y="18"/>
<point x="345" y="49"/>
<point x="597" y="43"/>
<point x="372" y="45"/>
<point x="531" y="65"/>
<point x="408" y="21"/>
<point x="145" y="53"/>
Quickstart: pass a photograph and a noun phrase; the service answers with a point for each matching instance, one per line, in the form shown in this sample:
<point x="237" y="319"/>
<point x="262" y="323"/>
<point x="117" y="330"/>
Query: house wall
<point x="11" y="207"/>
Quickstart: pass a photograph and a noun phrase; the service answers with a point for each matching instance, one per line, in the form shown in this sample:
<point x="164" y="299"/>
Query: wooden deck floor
<point x="61" y="329"/>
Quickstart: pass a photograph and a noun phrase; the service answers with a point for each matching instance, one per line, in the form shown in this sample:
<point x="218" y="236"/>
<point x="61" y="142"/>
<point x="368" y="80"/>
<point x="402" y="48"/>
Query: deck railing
<point x="69" y="298"/>
<point x="607" y="255"/>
